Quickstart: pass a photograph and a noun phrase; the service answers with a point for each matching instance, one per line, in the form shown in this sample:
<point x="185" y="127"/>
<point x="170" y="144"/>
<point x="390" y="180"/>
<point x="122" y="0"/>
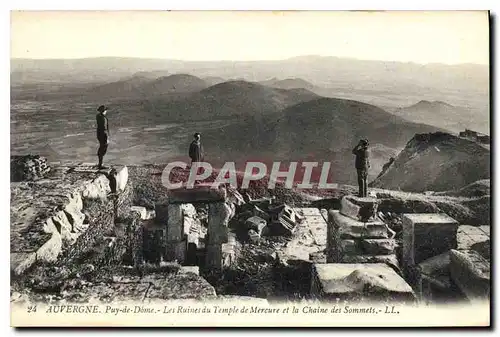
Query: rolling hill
<point x="445" y="115"/>
<point x="323" y="129"/>
<point x="225" y="100"/>
<point x="132" y="86"/>
<point x="144" y="87"/>
<point x="436" y="162"/>
<point x="290" y="83"/>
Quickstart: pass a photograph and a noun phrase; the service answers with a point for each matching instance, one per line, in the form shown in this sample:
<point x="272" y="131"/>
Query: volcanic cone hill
<point x="228" y="99"/>
<point x="144" y="86"/>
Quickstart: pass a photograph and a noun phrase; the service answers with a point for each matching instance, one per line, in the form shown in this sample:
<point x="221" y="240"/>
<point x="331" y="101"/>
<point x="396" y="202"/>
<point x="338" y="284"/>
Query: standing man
<point x="195" y="149"/>
<point x="362" y="165"/>
<point x="102" y="134"/>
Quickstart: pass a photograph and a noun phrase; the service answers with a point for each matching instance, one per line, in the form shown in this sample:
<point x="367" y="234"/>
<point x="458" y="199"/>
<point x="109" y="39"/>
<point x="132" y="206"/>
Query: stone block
<point x="314" y="220"/>
<point x="188" y="210"/>
<point x="361" y="209"/>
<point x="347" y="281"/>
<point x="197" y="194"/>
<point x="176" y="251"/>
<point x="121" y="178"/>
<point x="50" y="250"/>
<point x="346" y="228"/>
<point x="433" y="278"/>
<point x="256" y="223"/>
<point x="140" y="210"/>
<point x="175" y="223"/>
<point x="20" y="262"/>
<point x="426" y="235"/>
<point x="390" y="260"/>
<point x="154" y="244"/>
<point x="219" y="256"/>
<point x="253" y="236"/>
<point x="378" y="246"/>
<point x="150" y="214"/>
<point x="189" y="269"/>
<point x="471" y="273"/>
<point x="218" y="218"/>
<point x="161" y="213"/>
<point x="343" y="247"/>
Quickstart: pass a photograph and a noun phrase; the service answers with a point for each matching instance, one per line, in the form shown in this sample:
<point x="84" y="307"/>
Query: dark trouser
<point x="362" y="175"/>
<point x="103" y="146"/>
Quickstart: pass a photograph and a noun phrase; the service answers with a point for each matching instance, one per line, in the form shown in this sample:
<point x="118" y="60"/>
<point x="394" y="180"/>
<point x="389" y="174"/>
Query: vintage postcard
<point x="239" y="168"/>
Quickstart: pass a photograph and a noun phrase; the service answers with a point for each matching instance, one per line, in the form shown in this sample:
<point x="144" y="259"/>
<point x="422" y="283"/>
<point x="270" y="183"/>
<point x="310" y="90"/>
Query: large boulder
<point x="359" y="282"/>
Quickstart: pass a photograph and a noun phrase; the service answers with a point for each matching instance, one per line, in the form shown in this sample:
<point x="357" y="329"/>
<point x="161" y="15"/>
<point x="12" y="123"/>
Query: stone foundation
<point x="61" y="213"/>
<point x="357" y="236"/>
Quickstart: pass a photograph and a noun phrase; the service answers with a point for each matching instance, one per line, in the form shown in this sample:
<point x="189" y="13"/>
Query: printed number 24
<point x="32" y="308"/>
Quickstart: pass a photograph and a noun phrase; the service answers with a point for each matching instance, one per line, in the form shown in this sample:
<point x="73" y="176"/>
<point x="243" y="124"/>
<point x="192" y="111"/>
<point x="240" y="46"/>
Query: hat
<point x="102" y="108"/>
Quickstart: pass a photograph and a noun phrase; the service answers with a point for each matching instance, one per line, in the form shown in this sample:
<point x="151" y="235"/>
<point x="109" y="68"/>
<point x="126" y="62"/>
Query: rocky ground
<point x="274" y="267"/>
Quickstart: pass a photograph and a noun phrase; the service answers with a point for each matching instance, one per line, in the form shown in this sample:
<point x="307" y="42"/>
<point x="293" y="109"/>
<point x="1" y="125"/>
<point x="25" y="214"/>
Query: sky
<point x="449" y="37"/>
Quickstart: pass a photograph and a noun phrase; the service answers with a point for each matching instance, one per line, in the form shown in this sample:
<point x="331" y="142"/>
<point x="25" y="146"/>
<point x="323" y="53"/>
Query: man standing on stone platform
<point x="196" y="149"/>
<point x="102" y="134"/>
<point x="362" y="165"/>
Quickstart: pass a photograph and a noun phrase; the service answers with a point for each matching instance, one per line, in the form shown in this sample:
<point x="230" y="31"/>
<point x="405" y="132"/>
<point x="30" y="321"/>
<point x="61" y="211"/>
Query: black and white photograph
<point x="250" y="168"/>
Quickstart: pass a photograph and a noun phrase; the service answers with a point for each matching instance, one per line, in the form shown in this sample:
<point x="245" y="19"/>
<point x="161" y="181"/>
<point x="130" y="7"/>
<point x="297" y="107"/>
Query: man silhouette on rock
<point x="102" y="134"/>
<point x="362" y="165"/>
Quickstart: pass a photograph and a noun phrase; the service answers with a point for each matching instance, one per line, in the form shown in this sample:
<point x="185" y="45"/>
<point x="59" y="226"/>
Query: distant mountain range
<point x="395" y="86"/>
<point x="278" y="110"/>
<point x="436" y="162"/>
<point x="321" y="71"/>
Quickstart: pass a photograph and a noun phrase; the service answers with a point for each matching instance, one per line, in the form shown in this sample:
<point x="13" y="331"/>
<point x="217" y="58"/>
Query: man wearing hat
<point x="362" y="165"/>
<point x="102" y="134"/>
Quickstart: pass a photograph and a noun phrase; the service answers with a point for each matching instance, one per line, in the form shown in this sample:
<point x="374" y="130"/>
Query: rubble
<point x="256" y="224"/>
<point x="28" y="168"/>
<point x="124" y="246"/>
<point x="283" y="220"/>
<point x="140" y="210"/>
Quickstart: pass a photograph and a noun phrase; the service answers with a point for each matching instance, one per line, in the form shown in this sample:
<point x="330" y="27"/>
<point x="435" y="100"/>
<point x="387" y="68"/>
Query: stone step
<point x="347" y="228"/>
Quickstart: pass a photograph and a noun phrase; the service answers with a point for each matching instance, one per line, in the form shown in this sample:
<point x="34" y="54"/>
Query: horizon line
<point x="248" y="61"/>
